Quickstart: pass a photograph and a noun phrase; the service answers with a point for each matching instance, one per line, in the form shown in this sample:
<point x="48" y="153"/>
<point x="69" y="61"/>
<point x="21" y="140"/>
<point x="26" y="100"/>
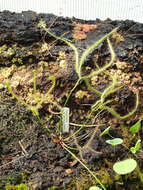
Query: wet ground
<point x="32" y="153"/>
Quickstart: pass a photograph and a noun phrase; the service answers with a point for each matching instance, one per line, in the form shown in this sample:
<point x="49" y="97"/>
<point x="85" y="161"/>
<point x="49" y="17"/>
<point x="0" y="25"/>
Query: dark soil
<point x="32" y="155"/>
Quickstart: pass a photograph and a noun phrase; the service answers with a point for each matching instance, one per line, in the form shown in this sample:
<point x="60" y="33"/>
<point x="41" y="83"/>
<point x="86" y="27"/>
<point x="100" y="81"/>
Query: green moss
<point x="81" y="94"/>
<point x="7" y="71"/>
<point x="7" y="52"/>
<point x="17" y="60"/>
<point x="10" y="51"/>
<point x="13" y="179"/>
<point x="3" y="48"/>
<point x="82" y="183"/>
<point x="21" y="186"/>
<point x="53" y="188"/>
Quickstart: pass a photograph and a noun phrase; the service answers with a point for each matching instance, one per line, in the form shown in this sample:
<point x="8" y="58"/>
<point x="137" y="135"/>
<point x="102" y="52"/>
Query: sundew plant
<point x="102" y="103"/>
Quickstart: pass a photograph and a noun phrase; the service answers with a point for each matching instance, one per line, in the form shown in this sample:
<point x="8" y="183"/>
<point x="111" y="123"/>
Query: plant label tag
<point x="65" y="119"/>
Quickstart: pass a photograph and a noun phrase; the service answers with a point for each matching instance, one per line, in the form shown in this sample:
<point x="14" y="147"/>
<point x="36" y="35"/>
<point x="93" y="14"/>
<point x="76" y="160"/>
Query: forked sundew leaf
<point x="125" y="166"/>
<point x="105" y="132"/>
<point x="94" y="188"/>
<point x="136" y="127"/>
<point x="136" y="147"/>
<point x="65" y="119"/>
<point x="115" y="141"/>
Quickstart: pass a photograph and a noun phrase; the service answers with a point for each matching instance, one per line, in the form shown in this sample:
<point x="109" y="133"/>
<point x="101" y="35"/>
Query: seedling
<point x="125" y="167"/>
<point x="79" y="61"/>
<point x="115" y="141"/>
<point x="137" y="147"/>
<point x="136" y="127"/>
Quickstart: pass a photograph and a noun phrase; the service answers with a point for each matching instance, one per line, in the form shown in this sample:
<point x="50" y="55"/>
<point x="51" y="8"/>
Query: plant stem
<point x="92" y="47"/>
<point x="118" y="116"/>
<point x="76" y="84"/>
<point x="34" y="81"/>
<point x="65" y="147"/>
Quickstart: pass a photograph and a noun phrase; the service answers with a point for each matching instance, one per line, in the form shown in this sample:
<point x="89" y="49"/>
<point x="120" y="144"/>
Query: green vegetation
<point x="106" y="132"/>
<point x="21" y="186"/>
<point x="104" y="103"/>
<point x="94" y="188"/>
<point x="125" y="166"/>
<point x="137" y="147"/>
<point x="101" y="104"/>
<point x="136" y="127"/>
<point x="92" y="174"/>
<point x="115" y="141"/>
<point x="38" y="100"/>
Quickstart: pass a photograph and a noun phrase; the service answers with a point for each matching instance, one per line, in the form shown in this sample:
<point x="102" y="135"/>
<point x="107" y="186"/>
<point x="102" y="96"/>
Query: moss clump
<point x="21" y="186"/>
<point x="13" y="179"/>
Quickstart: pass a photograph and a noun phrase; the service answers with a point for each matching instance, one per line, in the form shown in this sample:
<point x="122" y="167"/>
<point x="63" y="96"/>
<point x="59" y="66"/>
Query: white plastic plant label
<point x="65" y="119"/>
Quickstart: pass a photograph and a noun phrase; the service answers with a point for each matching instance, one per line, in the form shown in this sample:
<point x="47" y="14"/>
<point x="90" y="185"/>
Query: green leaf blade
<point x="125" y="167"/>
<point x="137" y="147"/>
<point x="105" y="132"/>
<point x="115" y="141"/>
<point x="136" y="127"/>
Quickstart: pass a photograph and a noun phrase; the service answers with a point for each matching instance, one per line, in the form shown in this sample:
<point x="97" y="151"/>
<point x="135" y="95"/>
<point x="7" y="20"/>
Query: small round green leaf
<point x="94" y="188"/>
<point x="125" y="166"/>
<point x="115" y="141"/>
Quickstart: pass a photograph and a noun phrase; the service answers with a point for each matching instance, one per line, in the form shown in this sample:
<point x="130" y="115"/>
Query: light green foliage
<point x="125" y="166"/>
<point x="136" y="127"/>
<point x="34" y="81"/>
<point x="8" y="71"/>
<point x="105" y="132"/>
<point x="102" y="103"/>
<point x="11" y="51"/>
<point x="137" y="147"/>
<point x="21" y="186"/>
<point x="115" y="141"/>
<point x="80" y="61"/>
<point x="81" y="94"/>
<point x="94" y="188"/>
<point x="3" y="49"/>
<point x="17" y="59"/>
<point x="53" y="188"/>
<point x="7" y="52"/>
<point x="38" y="100"/>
